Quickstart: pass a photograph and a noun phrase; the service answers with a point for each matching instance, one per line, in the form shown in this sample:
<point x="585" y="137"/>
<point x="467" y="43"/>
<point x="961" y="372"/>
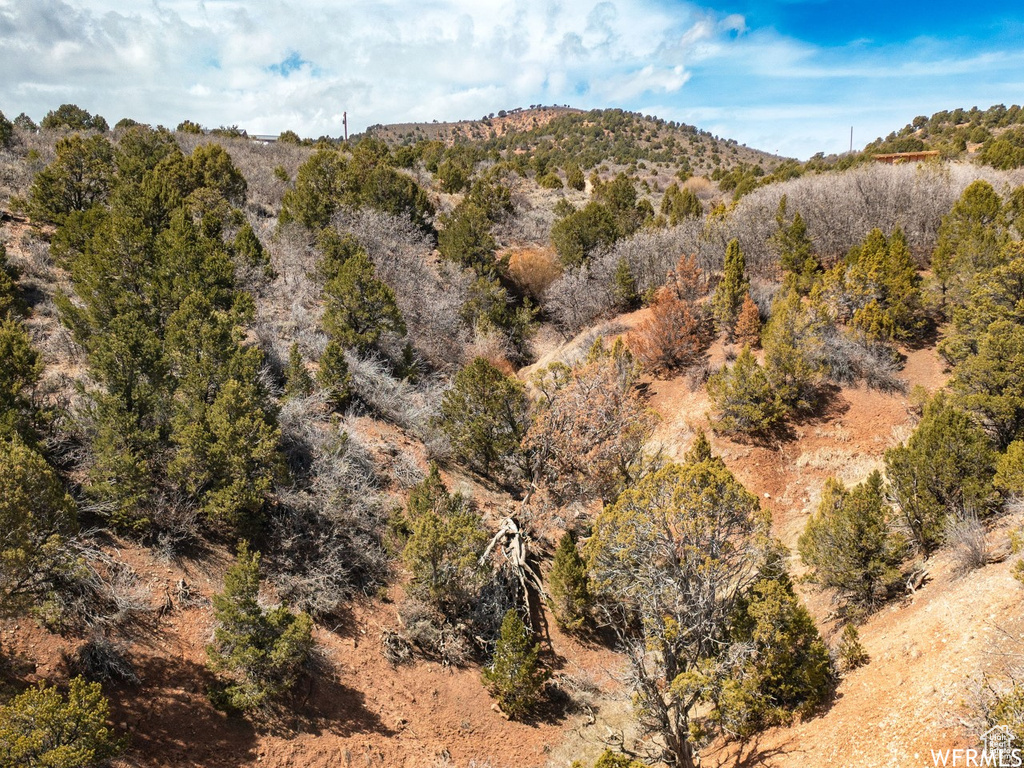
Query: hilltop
<point x="589" y="139"/>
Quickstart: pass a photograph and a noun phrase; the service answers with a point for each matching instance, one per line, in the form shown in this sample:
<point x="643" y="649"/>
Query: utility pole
<point x="851" y="139"/>
<point x="344" y="121"/>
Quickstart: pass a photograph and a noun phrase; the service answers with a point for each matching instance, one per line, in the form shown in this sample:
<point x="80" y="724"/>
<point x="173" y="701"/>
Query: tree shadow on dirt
<point x="171" y="722"/>
<point x="749" y="754"/>
<point x="321" y="704"/>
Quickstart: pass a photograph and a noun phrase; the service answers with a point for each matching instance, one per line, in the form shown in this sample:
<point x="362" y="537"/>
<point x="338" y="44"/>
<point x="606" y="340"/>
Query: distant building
<point x="895" y="158"/>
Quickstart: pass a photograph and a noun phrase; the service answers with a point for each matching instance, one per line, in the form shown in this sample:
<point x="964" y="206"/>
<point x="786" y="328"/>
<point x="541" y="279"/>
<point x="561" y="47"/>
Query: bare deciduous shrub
<point x="588" y="292"/>
<point x="102" y="660"/>
<point x="396" y="649"/>
<point x="840" y="209"/>
<point x="321" y="559"/>
<point x="429" y="295"/>
<point x="102" y="592"/>
<point x="968" y="546"/>
<point x="846" y="361"/>
<point x="395" y="400"/>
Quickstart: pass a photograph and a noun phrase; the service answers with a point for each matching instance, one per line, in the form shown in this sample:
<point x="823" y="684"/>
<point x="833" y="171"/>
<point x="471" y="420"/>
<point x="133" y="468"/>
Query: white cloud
<point x="214" y="61"/>
<point x="268" y="65"/>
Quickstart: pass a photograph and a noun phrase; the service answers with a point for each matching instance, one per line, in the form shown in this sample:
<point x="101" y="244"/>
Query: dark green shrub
<point x="568" y="585"/>
<point x="849" y="546"/>
<point x="257" y="655"/>
<point x="515" y="676"/>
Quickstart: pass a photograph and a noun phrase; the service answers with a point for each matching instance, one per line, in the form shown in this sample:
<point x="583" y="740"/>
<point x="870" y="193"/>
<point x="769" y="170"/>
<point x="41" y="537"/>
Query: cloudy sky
<point x="790" y="76"/>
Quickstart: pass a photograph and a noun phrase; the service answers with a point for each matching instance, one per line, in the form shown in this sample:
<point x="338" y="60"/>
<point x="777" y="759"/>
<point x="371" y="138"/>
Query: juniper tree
<point x="568" y="585"/>
<point x="990" y="383"/>
<point x="79" y="177"/>
<point x="515" y="675"/>
<point x="19" y="373"/>
<point x="444" y="546"/>
<point x="796" y="253"/>
<point x="945" y="468"/>
<point x="466" y="239"/>
<point x="297" y="381"/>
<point x="359" y="308"/>
<point x="788" y="671"/>
<point x="484" y="415"/>
<point x="333" y="375"/>
<point x="40" y="728"/>
<point x="733" y="287"/>
<point x="850" y="546"/>
<point x="672" y="560"/>
<point x="744" y="399"/>
<point x="11" y="303"/>
<point x="792" y="342"/>
<point x="36" y="516"/>
<point x="996" y="294"/>
<point x="256" y="654"/>
<point x="971" y="240"/>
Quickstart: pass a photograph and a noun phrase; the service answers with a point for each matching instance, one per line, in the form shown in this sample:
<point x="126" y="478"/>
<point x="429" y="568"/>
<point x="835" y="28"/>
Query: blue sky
<point x="790" y="76"/>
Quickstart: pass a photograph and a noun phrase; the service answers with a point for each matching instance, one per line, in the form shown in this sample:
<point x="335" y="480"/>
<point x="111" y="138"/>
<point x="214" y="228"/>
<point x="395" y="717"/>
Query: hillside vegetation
<point x="598" y="441"/>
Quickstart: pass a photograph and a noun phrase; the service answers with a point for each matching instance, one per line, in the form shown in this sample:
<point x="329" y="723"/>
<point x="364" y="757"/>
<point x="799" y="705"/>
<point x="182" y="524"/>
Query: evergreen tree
<point x="744" y="399"/>
<point x="675" y="557"/>
<point x="297" y="381"/>
<point x="484" y="415"/>
<point x="465" y="238"/>
<point x="36" y="517"/>
<point x="881" y="293"/>
<point x="40" y="728"/>
<point x="945" y="468"/>
<point x="578" y="234"/>
<point x="568" y="585"/>
<point x="19" y="373"/>
<point x="849" y="652"/>
<point x="996" y="294"/>
<point x="990" y="383"/>
<point x="789" y="671"/>
<point x="359" y="308"/>
<point x="257" y="655"/>
<point x="574" y="178"/>
<point x="230" y="458"/>
<point x="314" y="198"/>
<point x="1010" y="469"/>
<point x="335" y="249"/>
<point x="796" y="254"/>
<point x="624" y="289"/>
<point x="79" y="177"/>
<point x="490" y="310"/>
<point x="10" y="302"/>
<point x="333" y="375"/>
<point x="792" y="343"/>
<point x="7" y="133"/>
<point x="730" y="292"/>
<point x="849" y="546"/>
<point x="971" y="240"/>
<point x="515" y="676"/>
<point x="248" y="250"/>
<point x="444" y="546"/>
<point x="680" y="204"/>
